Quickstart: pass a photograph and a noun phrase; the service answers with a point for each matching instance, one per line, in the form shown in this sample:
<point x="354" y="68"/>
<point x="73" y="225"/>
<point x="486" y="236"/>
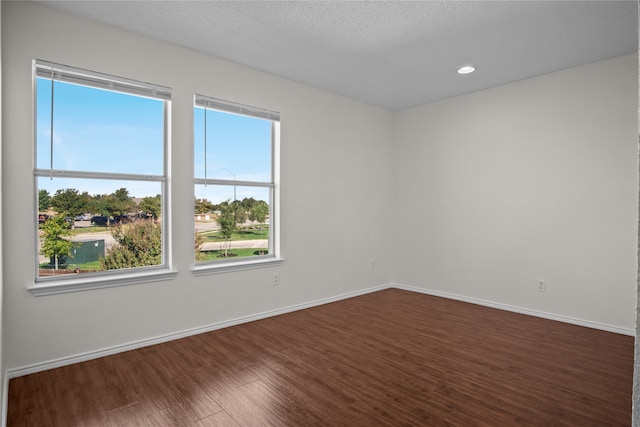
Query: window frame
<point x="273" y="258"/>
<point x="77" y="282"/>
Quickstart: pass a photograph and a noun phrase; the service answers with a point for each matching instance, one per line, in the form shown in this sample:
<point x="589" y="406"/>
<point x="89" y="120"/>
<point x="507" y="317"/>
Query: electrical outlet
<point x="542" y="285"/>
<point x="372" y="264"/>
<point x="276" y="279"/>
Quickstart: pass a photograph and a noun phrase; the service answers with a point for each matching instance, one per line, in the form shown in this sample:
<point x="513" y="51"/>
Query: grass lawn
<point x="94" y="265"/>
<point x="243" y="234"/>
<point x="233" y="253"/>
<point x="91" y="229"/>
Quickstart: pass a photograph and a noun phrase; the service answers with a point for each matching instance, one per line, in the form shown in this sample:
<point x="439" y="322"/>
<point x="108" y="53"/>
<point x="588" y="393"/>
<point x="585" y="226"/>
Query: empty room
<point x="319" y="213"/>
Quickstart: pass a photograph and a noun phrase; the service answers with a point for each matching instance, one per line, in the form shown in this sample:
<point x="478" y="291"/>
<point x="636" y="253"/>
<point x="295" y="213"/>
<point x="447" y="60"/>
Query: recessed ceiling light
<point x="467" y="69"/>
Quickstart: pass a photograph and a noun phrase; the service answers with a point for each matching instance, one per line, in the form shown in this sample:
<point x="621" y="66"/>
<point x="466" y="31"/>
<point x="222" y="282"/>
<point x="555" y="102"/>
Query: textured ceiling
<point x="394" y="55"/>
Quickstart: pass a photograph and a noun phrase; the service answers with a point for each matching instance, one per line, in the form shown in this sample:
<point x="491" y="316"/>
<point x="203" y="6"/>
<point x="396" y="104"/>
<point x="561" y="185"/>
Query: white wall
<point x="492" y="191"/>
<point x="336" y="193"/>
<point x="535" y="179"/>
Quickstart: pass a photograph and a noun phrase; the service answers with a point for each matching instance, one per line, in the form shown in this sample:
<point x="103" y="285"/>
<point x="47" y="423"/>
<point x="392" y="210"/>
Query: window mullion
<point x="94" y="79"/>
<point x="51" y="125"/>
<point x="57" y="173"/>
<point x="213" y="181"/>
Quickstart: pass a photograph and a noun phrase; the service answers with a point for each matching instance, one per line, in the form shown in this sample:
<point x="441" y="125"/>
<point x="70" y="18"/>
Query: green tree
<point x="199" y="240"/>
<point x="151" y="206"/>
<point x="139" y="245"/>
<point x="54" y="244"/>
<point x="239" y="212"/>
<point x="248" y="202"/>
<point x="259" y="213"/>
<point x="122" y="203"/>
<point x="116" y="203"/>
<point x="203" y="206"/>
<point x="44" y="200"/>
<point x="70" y="202"/>
<point x="103" y="204"/>
<point x="227" y="222"/>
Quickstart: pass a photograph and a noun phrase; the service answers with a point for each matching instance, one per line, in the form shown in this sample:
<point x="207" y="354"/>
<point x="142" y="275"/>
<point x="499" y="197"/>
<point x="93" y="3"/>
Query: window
<point x="101" y="177"/>
<point x="235" y="185"/>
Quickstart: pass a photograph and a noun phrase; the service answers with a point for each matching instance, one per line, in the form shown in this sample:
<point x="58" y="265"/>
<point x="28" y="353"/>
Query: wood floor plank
<point x="27" y="406"/>
<point x="221" y="419"/>
<point x="175" y="415"/>
<point x="129" y="416"/>
<point x="192" y="396"/>
<point x="387" y="358"/>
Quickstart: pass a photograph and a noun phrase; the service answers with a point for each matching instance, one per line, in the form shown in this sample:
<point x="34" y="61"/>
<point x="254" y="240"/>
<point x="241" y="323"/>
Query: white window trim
<point x="72" y="282"/>
<point x="98" y="281"/>
<point x="64" y="73"/>
<point x="274" y="258"/>
<point x="205" y="269"/>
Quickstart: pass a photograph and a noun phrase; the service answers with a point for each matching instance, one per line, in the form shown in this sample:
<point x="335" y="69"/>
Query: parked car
<point x="82" y="217"/>
<point x="102" y="220"/>
<point x="124" y="219"/>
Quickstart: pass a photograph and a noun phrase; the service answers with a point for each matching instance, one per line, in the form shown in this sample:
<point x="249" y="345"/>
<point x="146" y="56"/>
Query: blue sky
<point x="238" y="147"/>
<point x="98" y="130"/>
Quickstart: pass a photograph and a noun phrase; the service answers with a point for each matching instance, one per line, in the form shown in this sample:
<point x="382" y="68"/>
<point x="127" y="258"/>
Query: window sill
<point x="225" y="267"/>
<point x="98" y="282"/>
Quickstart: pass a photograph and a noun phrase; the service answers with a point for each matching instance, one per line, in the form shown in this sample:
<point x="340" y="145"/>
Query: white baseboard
<point x="56" y="363"/>
<point x="83" y="357"/>
<point x="13" y="373"/>
<point x="529" y="312"/>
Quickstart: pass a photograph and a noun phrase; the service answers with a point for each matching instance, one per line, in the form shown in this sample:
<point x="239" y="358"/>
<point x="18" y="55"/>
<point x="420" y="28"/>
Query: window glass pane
<point x="103" y="210"/>
<point x="95" y="225"/>
<point x="228" y="227"/>
<point x="99" y="131"/>
<point x="238" y="147"/>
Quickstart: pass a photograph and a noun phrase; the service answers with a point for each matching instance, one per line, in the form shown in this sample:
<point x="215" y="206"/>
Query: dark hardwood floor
<point x="388" y="358"/>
